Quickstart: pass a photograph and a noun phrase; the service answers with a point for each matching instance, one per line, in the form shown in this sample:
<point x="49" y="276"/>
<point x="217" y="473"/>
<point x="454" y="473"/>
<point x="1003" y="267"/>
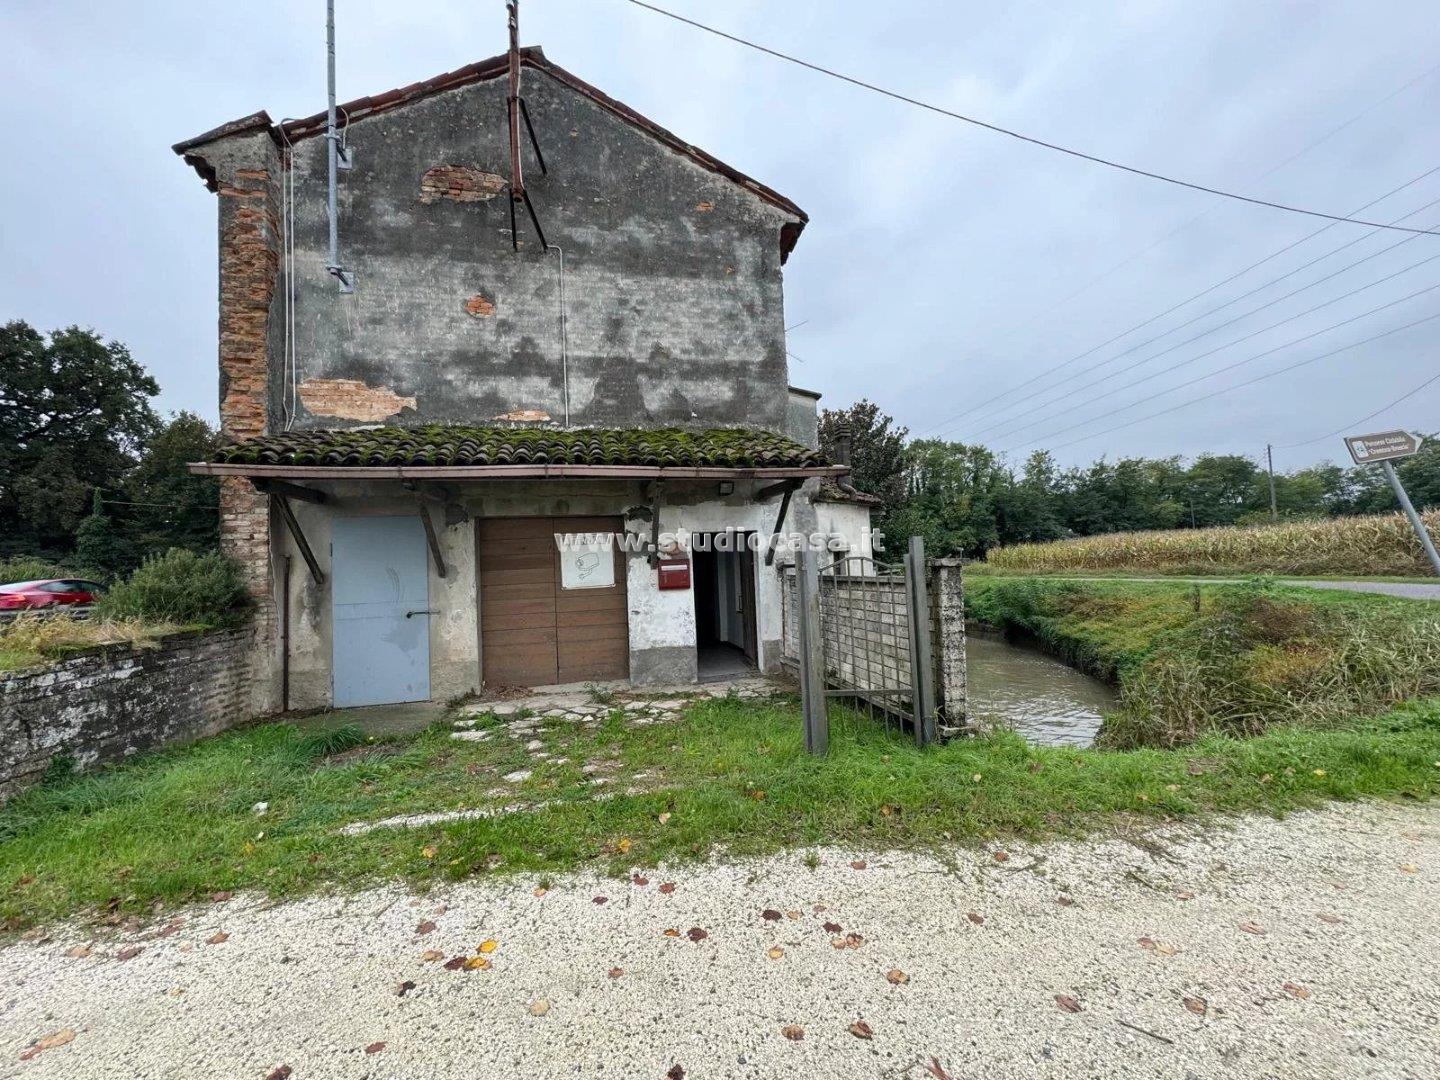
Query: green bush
<point x="181" y="587"/>
<point x="33" y="568"/>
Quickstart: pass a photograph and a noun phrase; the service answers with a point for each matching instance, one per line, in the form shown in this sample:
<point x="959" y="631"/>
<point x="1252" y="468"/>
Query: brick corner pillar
<point x="247" y="178"/>
<point x="947" y="620"/>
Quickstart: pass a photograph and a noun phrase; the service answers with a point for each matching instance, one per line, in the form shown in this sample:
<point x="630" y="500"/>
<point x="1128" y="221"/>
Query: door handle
<point x="421" y="611"/>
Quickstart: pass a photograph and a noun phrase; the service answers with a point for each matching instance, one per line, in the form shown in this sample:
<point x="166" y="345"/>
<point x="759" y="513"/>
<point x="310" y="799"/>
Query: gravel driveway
<point x="1303" y="948"/>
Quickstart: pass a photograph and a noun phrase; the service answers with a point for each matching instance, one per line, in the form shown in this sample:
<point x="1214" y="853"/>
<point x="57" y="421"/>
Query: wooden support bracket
<point x="431" y="539"/>
<point x="288" y="515"/>
<point x="287" y="490"/>
<point x="788" y="487"/>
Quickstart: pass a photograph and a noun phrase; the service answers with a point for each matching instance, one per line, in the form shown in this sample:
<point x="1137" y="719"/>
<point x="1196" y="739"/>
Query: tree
<point x="99" y="545"/>
<point x="74" y="414"/>
<point x="169" y="508"/>
<point x="877" y="455"/>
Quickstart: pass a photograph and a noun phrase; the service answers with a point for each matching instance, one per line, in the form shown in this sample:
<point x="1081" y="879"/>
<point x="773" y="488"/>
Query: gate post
<point x="812" y="652"/>
<point x="947" y="597"/>
<point x="922" y="674"/>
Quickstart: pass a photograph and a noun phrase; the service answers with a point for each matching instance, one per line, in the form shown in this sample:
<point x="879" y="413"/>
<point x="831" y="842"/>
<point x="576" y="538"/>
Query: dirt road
<point x="1303" y="948"/>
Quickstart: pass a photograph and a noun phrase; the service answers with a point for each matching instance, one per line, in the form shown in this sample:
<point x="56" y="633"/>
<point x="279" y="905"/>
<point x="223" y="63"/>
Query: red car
<point x="55" y="592"/>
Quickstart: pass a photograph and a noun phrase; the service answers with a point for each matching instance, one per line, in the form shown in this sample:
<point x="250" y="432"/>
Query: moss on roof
<point x="453" y="444"/>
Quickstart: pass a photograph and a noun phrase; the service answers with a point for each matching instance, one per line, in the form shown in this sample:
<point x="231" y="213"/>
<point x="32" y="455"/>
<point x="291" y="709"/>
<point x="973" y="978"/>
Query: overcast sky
<point x="943" y="264"/>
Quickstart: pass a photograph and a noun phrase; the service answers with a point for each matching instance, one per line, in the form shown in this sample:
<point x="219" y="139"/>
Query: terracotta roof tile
<point x="449" y="444"/>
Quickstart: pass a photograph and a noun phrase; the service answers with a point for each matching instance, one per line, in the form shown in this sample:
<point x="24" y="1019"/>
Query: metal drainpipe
<point x="285" y="639"/>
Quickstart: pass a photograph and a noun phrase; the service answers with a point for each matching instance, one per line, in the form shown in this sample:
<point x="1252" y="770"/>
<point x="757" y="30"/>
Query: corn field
<point x="1371" y="545"/>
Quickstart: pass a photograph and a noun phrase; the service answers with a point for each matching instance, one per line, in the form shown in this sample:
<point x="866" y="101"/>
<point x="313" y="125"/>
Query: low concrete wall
<point x="108" y="703"/>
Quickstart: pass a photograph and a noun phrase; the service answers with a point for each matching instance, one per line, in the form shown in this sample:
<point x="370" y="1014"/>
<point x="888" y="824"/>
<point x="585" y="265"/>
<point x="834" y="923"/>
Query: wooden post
<point x="431" y="540"/>
<point x="922" y="674"/>
<point x="947" y="600"/>
<point x="812" y="653"/>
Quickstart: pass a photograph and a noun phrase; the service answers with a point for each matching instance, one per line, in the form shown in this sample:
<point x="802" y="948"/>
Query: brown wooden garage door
<point x="533" y="632"/>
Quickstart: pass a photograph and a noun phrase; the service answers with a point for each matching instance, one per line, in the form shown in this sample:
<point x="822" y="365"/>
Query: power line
<point x="1093" y="158"/>
<point x="1012" y="427"/>
<point x="1355" y="424"/>
<point x="945" y="424"/>
<point x="1177" y="230"/>
<point x="1231" y="367"/>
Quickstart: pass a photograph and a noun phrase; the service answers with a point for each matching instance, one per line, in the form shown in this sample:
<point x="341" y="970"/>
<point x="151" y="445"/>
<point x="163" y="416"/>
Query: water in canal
<point x="1019" y="686"/>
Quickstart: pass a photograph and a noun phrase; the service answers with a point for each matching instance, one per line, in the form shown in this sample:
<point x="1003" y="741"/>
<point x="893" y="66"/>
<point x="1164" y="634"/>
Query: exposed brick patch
<point x="480" y="307"/>
<point x="460" y="183"/>
<point x="351" y="399"/>
<point x="705" y="207"/>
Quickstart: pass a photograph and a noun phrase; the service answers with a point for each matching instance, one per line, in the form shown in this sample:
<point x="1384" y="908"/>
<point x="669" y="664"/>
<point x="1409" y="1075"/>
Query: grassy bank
<point x="1374" y="545"/>
<point x="732" y="775"/>
<point x="1230" y="659"/>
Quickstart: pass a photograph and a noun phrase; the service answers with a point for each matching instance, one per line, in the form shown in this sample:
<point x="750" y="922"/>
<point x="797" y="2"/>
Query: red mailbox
<point x="675" y="573"/>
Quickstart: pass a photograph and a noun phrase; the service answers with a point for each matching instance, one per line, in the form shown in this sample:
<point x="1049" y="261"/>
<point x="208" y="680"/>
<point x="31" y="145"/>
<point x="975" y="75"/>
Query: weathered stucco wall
<point x="672" y="275"/>
<point x="661" y="624"/>
<point x="802" y="420"/>
<point x="108" y="704"/>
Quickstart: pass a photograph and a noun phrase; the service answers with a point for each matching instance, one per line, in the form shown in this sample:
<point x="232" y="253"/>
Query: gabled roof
<point x="482" y="71"/>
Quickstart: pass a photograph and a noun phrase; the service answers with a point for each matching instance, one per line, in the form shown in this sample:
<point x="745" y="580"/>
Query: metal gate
<point x="864" y="635"/>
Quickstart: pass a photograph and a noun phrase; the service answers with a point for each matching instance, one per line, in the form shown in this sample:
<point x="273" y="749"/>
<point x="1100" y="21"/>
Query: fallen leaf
<point x="49" y="1042"/>
<point x="818" y="908"/>
<point x="668" y="887"/>
<point x="936" y="1070"/>
<point x="976" y="778"/>
<point x="675" y="1073"/>
<point x="1068" y="1003"/>
<point x="426" y="927"/>
<point x="539" y="890"/>
<point x="624" y="845"/>
<point x="1064" y="901"/>
<point x="757" y="795"/>
<point x="429" y="853"/>
<point x="832" y="928"/>
<point x="978" y="920"/>
<point x="489" y="945"/>
<point x="477" y="963"/>
<point x="129" y="952"/>
<point x="600" y="900"/>
<point x="886" y="810"/>
<point x="375" y="1048"/>
<point x="1326" y="917"/>
<point x="861" y="1030"/>
<point x="1252" y="928"/>
<point x="636" y="879"/>
<point x="858" y="864"/>
<point x="217" y="938"/>
<point x="455" y="963"/>
<point x="838" y="942"/>
<point x="662" y="819"/>
<point x="431" y="955"/>
<point x="281" y="1072"/>
<point x="792" y="914"/>
<point x="1319" y="772"/>
<point x="406" y="986"/>
<point x="1184" y="894"/>
<point x="79" y="952"/>
<point x="1197" y="1006"/>
<point x="539" y="1007"/>
<point x="770" y="915"/>
<point x="696" y="934"/>
<point x="169" y="928"/>
<point x="1296" y="991"/>
<point x="615" y="972"/>
<point x="1409" y="868"/>
<point x="672" y="932"/>
<point x="793" y="1032"/>
<point x="775" y="953"/>
<point x="853" y="941"/>
<point x="897" y="977"/>
<point x="1001" y="856"/>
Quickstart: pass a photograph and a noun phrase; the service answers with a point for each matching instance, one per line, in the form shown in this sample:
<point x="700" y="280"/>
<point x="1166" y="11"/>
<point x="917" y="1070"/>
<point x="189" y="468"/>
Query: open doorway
<point x="724" y="583"/>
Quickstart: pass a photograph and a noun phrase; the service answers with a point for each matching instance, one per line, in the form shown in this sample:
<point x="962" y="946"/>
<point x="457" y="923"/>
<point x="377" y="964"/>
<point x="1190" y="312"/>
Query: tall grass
<point x="1232" y="660"/>
<point x="1372" y="545"/>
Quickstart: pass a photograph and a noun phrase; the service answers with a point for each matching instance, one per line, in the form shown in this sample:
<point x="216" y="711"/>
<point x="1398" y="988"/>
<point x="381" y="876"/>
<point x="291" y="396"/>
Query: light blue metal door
<point x="380" y="596"/>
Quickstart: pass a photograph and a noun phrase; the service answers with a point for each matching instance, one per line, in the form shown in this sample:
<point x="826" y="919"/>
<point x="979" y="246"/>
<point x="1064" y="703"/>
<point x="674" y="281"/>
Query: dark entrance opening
<point x="724" y="584"/>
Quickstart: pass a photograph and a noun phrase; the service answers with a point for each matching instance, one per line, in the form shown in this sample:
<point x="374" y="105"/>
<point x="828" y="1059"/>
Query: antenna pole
<point x="1270" y="467"/>
<point x="332" y="140"/>
<point x="517" y="180"/>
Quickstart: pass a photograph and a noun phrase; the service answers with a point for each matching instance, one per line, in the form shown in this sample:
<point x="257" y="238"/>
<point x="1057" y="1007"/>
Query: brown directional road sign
<point x="1382" y="446"/>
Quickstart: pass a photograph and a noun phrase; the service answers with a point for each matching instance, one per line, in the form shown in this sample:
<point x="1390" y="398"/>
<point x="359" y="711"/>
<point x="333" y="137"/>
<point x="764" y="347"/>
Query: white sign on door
<point x="586" y="565"/>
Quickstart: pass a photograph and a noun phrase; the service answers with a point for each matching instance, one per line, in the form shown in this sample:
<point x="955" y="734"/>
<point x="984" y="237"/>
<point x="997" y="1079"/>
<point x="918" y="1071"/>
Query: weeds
<point x="32" y="639"/>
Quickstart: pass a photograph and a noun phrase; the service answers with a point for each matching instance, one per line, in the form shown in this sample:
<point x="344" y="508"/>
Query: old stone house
<point x="401" y="457"/>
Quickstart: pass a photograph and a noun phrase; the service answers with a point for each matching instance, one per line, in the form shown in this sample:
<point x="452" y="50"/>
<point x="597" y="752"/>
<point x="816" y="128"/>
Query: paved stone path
<point x="1298" y="948"/>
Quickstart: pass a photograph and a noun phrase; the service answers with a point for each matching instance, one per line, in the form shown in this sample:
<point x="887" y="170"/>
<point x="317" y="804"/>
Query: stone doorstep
<point x="562" y="701"/>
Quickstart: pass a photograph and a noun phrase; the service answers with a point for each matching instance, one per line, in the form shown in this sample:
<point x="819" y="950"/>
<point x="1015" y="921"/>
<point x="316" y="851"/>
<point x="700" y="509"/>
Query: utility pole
<point x="1270" y="465"/>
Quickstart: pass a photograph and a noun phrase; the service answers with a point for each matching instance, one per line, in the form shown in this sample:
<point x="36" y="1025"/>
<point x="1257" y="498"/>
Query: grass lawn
<point x="732" y="775"/>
